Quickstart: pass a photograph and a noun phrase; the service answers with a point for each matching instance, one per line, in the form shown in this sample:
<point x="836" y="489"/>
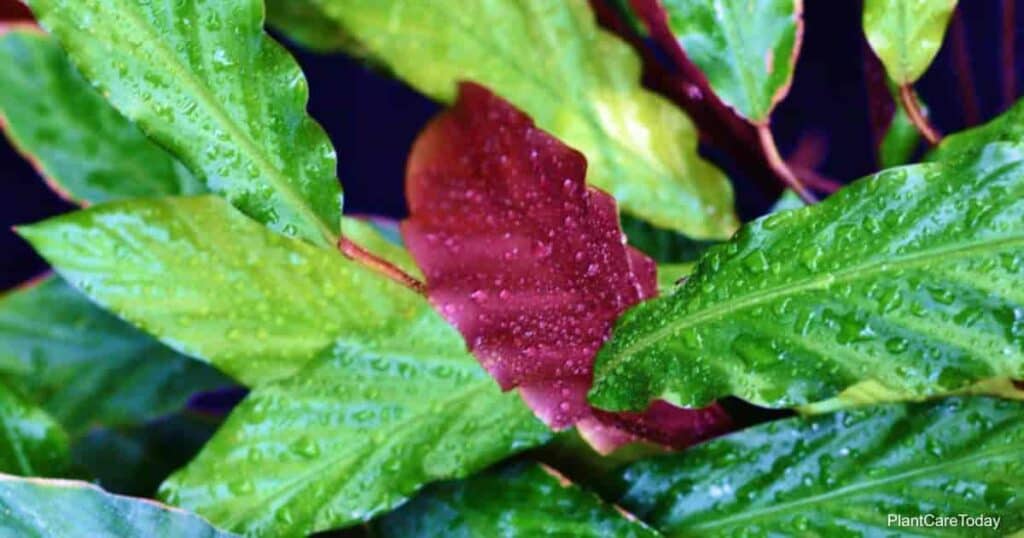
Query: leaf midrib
<point x="816" y="282"/>
<point x="186" y="78"/>
<point x="853" y="489"/>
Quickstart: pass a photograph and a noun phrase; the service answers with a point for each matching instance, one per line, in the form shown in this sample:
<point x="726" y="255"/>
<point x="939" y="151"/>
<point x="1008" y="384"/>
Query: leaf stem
<point x="379" y="265"/>
<point x="913" y="108"/>
<point x="779" y="166"/>
<point x="1008" y="57"/>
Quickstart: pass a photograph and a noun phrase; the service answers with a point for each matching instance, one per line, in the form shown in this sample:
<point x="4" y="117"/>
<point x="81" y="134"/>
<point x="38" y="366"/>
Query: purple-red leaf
<point x="529" y="263"/>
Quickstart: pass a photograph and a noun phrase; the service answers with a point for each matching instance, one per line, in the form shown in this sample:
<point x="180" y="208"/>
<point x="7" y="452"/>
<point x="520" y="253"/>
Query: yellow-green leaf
<point x="906" y="35"/>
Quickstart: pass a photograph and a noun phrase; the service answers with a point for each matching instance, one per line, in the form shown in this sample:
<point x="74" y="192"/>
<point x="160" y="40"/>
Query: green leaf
<point x="901" y="139"/>
<point x="746" y="48"/>
<point x="350" y="437"/>
<point x="581" y="84"/>
<point x="908" y="282"/>
<point x="63" y="508"/>
<point x="517" y="501"/>
<point x="82" y="146"/>
<point x="86" y="367"/>
<point x="1007" y="127"/>
<point x="31" y="442"/>
<point x="906" y="36"/>
<point x="671" y="275"/>
<point x="215" y="285"/>
<point x="203" y="80"/>
<point x="305" y="23"/>
<point x="843" y="474"/>
<point x="789" y="200"/>
<point x="663" y="246"/>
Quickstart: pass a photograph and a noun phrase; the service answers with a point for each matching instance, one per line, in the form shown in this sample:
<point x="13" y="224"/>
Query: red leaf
<point x="528" y="263"/>
<point x="13" y="10"/>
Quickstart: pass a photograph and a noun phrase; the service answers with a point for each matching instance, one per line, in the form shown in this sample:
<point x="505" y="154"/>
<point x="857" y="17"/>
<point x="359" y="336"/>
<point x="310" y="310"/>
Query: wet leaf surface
<point x="901" y="286"/>
<point x="516" y="501"/>
<point x="842" y="474"/>
<point x="529" y="263"/>
<point x="203" y="79"/>
<point x="906" y="36"/>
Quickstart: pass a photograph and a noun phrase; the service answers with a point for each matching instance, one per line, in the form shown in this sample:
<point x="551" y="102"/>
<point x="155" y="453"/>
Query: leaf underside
<point x="530" y="264"/>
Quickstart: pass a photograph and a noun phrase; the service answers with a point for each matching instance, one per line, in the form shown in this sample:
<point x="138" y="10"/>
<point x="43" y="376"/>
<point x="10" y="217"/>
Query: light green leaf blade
<point x="906" y="36"/>
<point x="746" y="48"/>
<point x="86" y="367"/>
<point x="843" y="474"/>
<point x="203" y="80"/>
<point x="352" y="436"/>
<point x="908" y="281"/>
<point x="552" y="61"/>
<point x="31" y="442"/>
<point x="517" y="501"/>
<point x="83" y="147"/>
<point x="213" y="284"/>
<point x="64" y="508"/>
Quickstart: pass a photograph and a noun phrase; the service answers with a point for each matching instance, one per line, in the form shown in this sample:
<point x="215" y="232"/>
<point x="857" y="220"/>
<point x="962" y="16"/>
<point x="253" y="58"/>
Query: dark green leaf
<point x="843" y="474"/>
<point x="213" y="284"/>
<point x="202" y="79"/>
<point x="82" y="146"/>
<point x="134" y="460"/>
<point x="901" y="286"/>
<point x="582" y="85"/>
<point x="663" y="246"/>
<point x="306" y="24"/>
<point x="353" y="436"/>
<point x="518" y="501"/>
<point x="1007" y="127"/>
<point x="906" y="36"/>
<point x="31" y="442"/>
<point x="87" y="367"/>
<point x="62" y="508"/>
<point x="747" y="49"/>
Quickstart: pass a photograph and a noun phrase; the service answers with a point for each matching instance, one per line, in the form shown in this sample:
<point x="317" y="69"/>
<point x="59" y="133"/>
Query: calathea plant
<point x="503" y="361"/>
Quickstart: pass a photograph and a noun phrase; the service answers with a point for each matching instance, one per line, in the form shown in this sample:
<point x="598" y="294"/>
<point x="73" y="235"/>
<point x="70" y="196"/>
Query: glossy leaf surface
<point x="746" y="49"/>
<point x="216" y="285"/>
<point x="518" y="501"/>
<point x="63" y="508"/>
<point x="31" y="442"/>
<point x="843" y="474"/>
<point x="528" y="262"/>
<point x="203" y="80"/>
<point x="906" y="36"/>
<point x="351" y="436"/>
<point x="86" y="150"/>
<point x="577" y="82"/>
<point x="906" y="283"/>
<point x="86" y="367"/>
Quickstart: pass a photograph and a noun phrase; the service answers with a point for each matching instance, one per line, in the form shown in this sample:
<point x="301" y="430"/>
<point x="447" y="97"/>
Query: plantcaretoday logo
<point x="954" y="521"/>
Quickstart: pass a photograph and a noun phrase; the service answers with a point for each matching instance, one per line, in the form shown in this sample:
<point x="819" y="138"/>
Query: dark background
<point x="373" y="120"/>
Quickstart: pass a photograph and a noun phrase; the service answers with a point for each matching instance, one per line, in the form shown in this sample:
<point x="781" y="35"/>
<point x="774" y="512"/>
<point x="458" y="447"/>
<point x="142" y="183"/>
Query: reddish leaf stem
<point x="375" y="263"/>
<point x="1008" y="56"/>
<point x="913" y="108"/>
<point x="779" y="166"/>
<point x="964" y="74"/>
